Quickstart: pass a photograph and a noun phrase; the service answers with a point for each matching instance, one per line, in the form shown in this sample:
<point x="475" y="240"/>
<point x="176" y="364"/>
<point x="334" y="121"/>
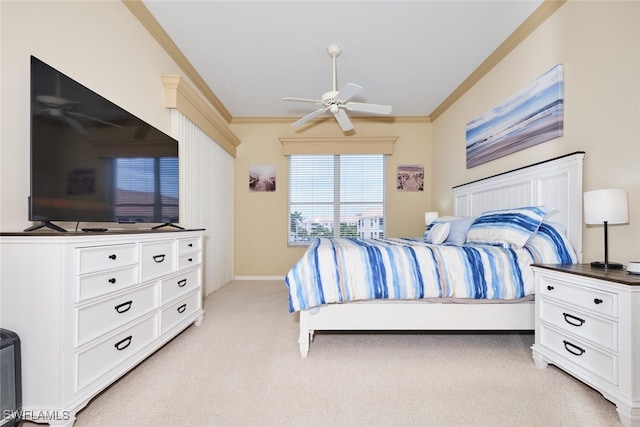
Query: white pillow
<point x="438" y="233"/>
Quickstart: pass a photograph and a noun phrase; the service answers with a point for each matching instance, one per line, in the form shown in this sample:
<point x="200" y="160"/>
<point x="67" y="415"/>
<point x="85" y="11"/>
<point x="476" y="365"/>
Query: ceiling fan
<point x="336" y="102"/>
<point x="58" y="107"/>
<point x="61" y="108"/>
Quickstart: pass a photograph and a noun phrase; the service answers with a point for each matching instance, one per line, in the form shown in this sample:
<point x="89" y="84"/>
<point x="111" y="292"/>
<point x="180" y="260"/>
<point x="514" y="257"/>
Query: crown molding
<point x="180" y="95"/>
<point x="544" y="11"/>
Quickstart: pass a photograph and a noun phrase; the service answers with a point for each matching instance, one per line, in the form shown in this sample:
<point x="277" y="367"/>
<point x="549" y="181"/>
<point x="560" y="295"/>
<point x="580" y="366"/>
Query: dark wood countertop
<point x="617" y="276"/>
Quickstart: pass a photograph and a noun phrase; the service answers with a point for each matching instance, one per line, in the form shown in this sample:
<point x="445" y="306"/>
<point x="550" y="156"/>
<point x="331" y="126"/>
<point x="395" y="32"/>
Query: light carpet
<point x="242" y="367"/>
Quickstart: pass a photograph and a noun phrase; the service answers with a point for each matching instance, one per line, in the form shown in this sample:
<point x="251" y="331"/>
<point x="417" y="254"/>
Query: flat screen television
<point x="92" y="161"/>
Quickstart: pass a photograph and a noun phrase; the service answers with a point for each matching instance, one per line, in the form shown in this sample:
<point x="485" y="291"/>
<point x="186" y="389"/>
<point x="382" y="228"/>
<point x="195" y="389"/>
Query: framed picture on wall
<point x="410" y="178"/>
<point x="532" y="116"/>
<point x="262" y="178"/>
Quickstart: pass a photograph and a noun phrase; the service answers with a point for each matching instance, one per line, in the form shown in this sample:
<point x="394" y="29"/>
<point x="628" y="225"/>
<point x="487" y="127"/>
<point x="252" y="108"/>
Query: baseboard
<point x="258" y="278"/>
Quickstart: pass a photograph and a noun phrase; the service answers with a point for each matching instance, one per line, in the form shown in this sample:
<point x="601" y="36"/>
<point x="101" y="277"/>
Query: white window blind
<point x="336" y="196"/>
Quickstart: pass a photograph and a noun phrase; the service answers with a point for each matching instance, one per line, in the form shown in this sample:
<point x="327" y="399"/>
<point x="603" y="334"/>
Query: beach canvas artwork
<point x="532" y="116"/>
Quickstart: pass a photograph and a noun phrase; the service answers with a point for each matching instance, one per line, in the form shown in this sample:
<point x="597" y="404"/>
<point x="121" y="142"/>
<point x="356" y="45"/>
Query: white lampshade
<point x="608" y="205"/>
<point x="429" y="217"/>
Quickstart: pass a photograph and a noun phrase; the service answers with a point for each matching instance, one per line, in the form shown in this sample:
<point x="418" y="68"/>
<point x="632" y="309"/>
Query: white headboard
<point x="554" y="183"/>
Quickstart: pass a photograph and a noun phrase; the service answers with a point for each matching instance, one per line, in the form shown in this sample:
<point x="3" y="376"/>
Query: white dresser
<point x="588" y="324"/>
<point x="88" y="307"/>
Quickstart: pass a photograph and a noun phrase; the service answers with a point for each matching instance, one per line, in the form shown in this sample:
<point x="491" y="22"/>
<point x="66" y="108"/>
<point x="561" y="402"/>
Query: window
<point x="339" y="195"/>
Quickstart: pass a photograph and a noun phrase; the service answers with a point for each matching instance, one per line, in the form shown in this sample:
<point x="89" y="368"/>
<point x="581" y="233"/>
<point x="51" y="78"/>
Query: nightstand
<point x="588" y="324"/>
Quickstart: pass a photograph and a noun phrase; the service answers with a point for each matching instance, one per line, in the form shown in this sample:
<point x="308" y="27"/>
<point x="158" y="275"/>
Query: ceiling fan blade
<point x="315" y="101"/>
<point x="54" y="101"/>
<point x="368" y="108"/>
<point x="309" y="116"/>
<point x="76" y="125"/>
<point x="343" y="120"/>
<point x="348" y="92"/>
<point x="84" y="116"/>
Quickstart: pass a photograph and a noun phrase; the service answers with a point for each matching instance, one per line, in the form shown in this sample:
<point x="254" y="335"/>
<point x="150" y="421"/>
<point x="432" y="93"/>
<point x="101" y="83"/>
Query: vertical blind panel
<point x="206" y="197"/>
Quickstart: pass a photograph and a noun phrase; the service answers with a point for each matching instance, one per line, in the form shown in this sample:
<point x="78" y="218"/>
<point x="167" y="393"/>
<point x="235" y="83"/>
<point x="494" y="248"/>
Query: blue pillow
<point x="459" y="229"/>
<point x="507" y="227"/>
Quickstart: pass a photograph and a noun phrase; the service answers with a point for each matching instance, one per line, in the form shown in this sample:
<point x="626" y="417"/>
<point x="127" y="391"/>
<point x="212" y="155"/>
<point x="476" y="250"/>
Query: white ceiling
<point x="407" y="54"/>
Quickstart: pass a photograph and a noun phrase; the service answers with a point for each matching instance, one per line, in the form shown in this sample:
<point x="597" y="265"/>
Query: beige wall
<point x="99" y="43"/>
<point x="261" y="219"/>
<point x="599" y="45"/>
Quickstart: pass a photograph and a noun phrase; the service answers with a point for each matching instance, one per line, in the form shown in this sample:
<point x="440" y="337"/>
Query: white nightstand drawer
<point x="158" y="259"/>
<point x="93" y="285"/>
<point x="576" y="351"/>
<point x="189" y="245"/>
<point x="99" y="318"/>
<point x="180" y="310"/>
<point x="595" y="300"/>
<point x="99" y="258"/>
<point x="179" y="285"/>
<point x="595" y="329"/>
<point x="94" y="362"/>
<point x="188" y="260"/>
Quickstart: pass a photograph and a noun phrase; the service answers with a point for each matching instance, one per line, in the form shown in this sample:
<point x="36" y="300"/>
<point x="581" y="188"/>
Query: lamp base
<point x="609" y="265"/>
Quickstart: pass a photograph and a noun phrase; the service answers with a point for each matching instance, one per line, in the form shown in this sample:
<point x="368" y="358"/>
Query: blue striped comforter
<point x="337" y="270"/>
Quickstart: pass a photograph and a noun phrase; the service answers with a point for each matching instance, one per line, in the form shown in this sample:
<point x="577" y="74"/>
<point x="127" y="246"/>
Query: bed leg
<point x="303" y="341"/>
<point x="305" y="333"/>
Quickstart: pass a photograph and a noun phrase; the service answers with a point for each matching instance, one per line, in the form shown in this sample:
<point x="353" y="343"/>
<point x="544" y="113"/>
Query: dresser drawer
<point x="96" y="319"/>
<point x="99" y="258"/>
<point x="179" y="311"/>
<point x="96" y="361"/>
<point x="598" y="330"/>
<point x="189" y="245"/>
<point x="158" y="259"/>
<point x="594" y="300"/>
<point x="186" y="261"/>
<point x="581" y="354"/>
<point x="179" y="285"/>
<point x="94" y="285"/>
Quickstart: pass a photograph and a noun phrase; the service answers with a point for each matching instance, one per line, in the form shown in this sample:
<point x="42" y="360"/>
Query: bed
<point x="425" y="283"/>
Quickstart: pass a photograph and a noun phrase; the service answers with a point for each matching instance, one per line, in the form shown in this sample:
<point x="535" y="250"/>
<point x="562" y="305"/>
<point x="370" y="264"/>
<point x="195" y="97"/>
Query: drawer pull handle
<point x="190" y="259"/>
<point x="113" y="256"/>
<point x="190" y="245"/>
<point x="112" y="280"/>
<point x="121" y="345"/>
<point x="597" y="301"/>
<point x="182" y="308"/>
<point x="124" y="307"/>
<point x="573" y="349"/>
<point x="567" y="317"/>
<point x="182" y="283"/>
<point x="158" y="258"/>
<point x="550" y="288"/>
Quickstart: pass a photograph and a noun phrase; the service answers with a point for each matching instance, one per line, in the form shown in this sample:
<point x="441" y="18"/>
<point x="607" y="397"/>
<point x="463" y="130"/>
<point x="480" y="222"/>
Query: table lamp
<point x="429" y="217"/>
<point x="607" y="206"/>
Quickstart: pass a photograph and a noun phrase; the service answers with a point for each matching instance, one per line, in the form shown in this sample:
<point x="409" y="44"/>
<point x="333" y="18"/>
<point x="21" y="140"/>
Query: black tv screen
<point x="92" y="161"/>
